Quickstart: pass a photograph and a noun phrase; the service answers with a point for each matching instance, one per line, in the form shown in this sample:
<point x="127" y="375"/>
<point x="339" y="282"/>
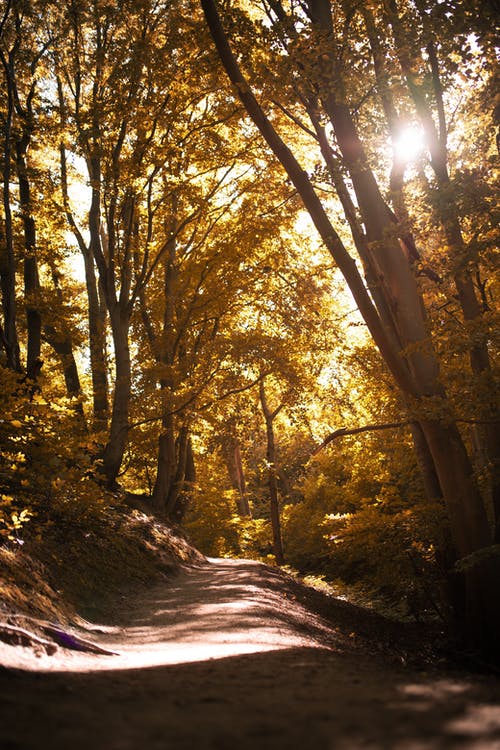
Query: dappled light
<point x="203" y="614"/>
<point x="228" y="640"/>
<point x="249" y="373"/>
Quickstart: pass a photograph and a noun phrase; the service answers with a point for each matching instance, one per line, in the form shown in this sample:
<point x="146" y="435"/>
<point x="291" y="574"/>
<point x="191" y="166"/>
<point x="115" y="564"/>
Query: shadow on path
<point x="290" y="699"/>
<point x="225" y="658"/>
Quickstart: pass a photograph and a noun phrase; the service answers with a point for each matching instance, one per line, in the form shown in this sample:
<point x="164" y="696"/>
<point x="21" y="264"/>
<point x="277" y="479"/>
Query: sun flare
<point x="409" y="144"/>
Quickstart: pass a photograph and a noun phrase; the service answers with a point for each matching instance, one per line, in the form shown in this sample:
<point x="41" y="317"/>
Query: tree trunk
<point x="272" y="475"/>
<point x="31" y="279"/>
<point x="63" y="347"/>
<point x="232" y="457"/>
<point x="184" y="482"/>
<point x="7" y="256"/>
<point x="487" y="438"/>
<point x="118" y="433"/>
<point x="177" y="481"/>
<point x="166" y="459"/>
<point x="97" y="316"/>
<point x="171" y="457"/>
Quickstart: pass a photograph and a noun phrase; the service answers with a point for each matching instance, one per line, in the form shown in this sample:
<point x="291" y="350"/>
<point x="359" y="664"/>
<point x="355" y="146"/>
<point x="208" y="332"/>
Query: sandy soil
<point x="225" y="656"/>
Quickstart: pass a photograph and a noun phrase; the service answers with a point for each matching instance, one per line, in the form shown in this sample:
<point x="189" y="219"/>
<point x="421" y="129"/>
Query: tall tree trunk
<point x="185" y="495"/>
<point x="118" y="433"/>
<point x="166" y="457"/>
<point x="232" y="457"/>
<point x="7" y="256"/>
<point x="415" y="368"/>
<point x="31" y="278"/>
<point x="61" y="342"/>
<point x="96" y="316"/>
<point x="486" y="437"/>
<point x="170" y="470"/>
<point x="63" y="347"/>
<point x="272" y="474"/>
<point x="177" y="485"/>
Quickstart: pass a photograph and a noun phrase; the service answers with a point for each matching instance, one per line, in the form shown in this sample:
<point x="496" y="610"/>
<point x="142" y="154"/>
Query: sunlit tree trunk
<point x="415" y="370"/>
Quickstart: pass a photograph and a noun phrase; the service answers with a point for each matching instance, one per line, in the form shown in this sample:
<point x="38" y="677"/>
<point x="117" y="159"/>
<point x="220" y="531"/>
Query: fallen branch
<point x="68" y="640"/>
<point x="21" y="637"/>
<point x="60" y="636"/>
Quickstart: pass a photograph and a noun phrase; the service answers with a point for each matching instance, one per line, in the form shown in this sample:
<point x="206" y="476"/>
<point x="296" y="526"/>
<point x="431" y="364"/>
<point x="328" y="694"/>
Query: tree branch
<point x="356" y="430"/>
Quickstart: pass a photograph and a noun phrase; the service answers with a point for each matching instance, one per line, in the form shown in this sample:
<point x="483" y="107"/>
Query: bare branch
<point x="356" y="430"/>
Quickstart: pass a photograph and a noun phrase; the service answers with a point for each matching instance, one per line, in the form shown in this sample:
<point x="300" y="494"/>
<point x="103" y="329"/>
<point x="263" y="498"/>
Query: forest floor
<point x="234" y="655"/>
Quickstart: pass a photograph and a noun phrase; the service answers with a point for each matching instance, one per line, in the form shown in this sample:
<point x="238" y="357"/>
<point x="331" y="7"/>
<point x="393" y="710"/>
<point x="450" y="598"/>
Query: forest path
<point x="224" y="657"/>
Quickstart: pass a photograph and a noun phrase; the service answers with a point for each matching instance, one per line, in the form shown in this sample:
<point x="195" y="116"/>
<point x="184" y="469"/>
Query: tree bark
<point x="31" y="278"/>
<point x="185" y="495"/>
<point x="97" y="316"/>
<point x="177" y="484"/>
<point x="232" y="457"/>
<point x="169" y="459"/>
<point x="7" y="255"/>
<point x="118" y="433"/>
<point x="272" y="475"/>
<point x="166" y="458"/>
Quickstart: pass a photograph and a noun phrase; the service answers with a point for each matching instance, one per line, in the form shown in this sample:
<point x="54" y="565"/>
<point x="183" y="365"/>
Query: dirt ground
<point x="226" y="656"/>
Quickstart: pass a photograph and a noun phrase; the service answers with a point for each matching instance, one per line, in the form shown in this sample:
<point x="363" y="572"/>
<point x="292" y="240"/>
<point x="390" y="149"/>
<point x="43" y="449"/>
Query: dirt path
<point x="225" y="658"/>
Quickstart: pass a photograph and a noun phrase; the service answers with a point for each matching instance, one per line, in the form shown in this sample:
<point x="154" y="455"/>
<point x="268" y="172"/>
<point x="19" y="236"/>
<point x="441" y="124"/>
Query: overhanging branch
<point x="356" y="430"/>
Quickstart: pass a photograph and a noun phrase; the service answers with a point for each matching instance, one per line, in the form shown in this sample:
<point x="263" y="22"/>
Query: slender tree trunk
<point x="118" y="433"/>
<point x="177" y="485"/>
<point x="97" y="316"/>
<point x="61" y="343"/>
<point x="63" y="347"/>
<point x="184" y="498"/>
<point x="7" y="256"/>
<point x="272" y="475"/>
<point x="232" y="457"/>
<point x="31" y="278"/>
<point x="166" y="457"/>
<point x="170" y="460"/>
